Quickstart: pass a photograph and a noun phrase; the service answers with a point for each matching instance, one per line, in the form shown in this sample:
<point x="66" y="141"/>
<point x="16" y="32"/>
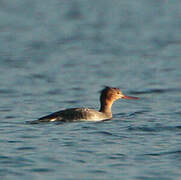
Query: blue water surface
<point x="59" y="54"/>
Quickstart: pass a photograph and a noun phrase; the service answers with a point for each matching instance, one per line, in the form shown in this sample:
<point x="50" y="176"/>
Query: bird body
<point x="107" y="98"/>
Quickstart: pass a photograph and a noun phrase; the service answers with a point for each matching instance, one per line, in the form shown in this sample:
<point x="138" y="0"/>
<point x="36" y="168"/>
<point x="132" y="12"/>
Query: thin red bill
<point x="129" y="97"/>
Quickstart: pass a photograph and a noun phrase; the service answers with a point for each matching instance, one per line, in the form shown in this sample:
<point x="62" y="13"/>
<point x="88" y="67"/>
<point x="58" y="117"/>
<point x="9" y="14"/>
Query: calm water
<point x="59" y="54"/>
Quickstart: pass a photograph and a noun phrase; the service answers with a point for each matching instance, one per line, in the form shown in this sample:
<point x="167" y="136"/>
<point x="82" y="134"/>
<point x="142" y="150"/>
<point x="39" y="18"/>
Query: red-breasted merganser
<point x="108" y="96"/>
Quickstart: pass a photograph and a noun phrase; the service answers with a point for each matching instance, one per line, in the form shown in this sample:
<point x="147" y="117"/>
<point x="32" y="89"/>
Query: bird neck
<point x="106" y="107"/>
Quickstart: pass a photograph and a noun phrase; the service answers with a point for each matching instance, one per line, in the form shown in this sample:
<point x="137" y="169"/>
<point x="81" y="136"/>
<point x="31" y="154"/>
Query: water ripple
<point x="164" y="153"/>
<point x="138" y="112"/>
<point x="104" y="133"/>
<point x="41" y="170"/>
<point x="157" y="91"/>
<point x="26" y="148"/>
<point x="13" y="161"/>
<point x="155" y="129"/>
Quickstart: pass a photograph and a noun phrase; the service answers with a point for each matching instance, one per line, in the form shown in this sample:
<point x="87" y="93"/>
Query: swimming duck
<point x="107" y="98"/>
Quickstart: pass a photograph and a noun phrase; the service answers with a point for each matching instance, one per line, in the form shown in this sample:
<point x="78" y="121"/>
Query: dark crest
<point x="107" y="88"/>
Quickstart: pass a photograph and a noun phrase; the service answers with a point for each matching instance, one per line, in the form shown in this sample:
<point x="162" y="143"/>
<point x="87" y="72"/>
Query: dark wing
<point x="64" y="115"/>
<point x="51" y="116"/>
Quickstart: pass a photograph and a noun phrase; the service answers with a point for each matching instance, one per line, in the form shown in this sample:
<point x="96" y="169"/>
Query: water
<point x="60" y="54"/>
